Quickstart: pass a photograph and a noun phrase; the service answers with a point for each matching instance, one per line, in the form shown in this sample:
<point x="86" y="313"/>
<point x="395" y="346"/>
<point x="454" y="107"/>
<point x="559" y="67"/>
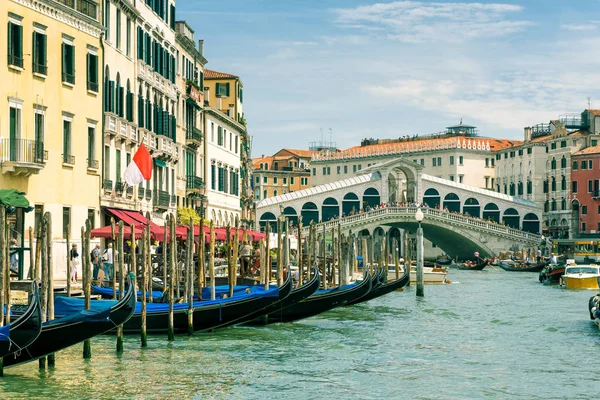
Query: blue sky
<point x="390" y="68"/>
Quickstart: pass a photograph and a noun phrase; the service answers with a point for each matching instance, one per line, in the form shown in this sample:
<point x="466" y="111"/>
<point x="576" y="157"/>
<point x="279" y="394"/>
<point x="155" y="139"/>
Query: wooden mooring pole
<point x="173" y="279"/>
<point x="211" y="264"/>
<point x="87" y="345"/>
<point x="51" y="356"/>
<point x="3" y="279"/>
<point x="189" y="281"/>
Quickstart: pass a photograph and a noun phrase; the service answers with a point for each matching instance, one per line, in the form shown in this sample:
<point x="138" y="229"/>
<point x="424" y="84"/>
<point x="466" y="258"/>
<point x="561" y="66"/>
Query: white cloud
<point x="578" y="28"/>
<point x="417" y="22"/>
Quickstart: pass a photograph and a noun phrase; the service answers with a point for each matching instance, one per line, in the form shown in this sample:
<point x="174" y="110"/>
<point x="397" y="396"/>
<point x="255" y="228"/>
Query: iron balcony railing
<point x="86" y="7"/>
<point x="93" y="164"/>
<point x="140" y="192"/>
<point x="68" y="78"/>
<point x="148" y="194"/>
<point x="119" y="187"/>
<point x="107" y="184"/>
<point x="15" y="61"/>
<point x="596" y="194"/>
<point x="173" y="199"/>
<point x="193" y="133"/>
<point x="92" y="86"/>
<point x="68" y="159"/>
<point x="23" y="151"/>
<point x="40" y="68"/>
<point x="162" y="199"/>
<point x="194" y="182"/>
<point x="130" y="190"/>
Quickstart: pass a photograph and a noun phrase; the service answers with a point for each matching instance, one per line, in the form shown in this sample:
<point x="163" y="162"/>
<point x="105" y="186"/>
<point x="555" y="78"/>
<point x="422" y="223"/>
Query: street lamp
<point x="419" y="216"/>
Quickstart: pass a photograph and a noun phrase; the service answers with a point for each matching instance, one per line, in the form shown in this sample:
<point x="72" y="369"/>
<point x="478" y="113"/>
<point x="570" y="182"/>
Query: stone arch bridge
<point x="459" y="218"/>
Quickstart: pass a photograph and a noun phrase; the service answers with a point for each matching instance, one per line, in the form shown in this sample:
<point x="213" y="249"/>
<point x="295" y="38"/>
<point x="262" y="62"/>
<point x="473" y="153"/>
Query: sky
<point x="345" y="70"/>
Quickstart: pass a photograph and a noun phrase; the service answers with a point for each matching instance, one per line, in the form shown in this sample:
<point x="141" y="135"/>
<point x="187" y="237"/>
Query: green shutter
<point x="19" y="43"/>
<point x="89" y="67"/>
<point x="72" y="61"/>
<point x="166" y="124"/>
<point x="174" y="128"/>
<point x="111" y="96"/>
<point x="43" y="50"/>
<point x="140" y="111"/>
<point x="159" y="122"/>
<point x="64" y="60"/>
<point x="35" y="51"/>
<point x="218" y="89"/>
<point x="10" y="47"/>
<point x="227" y="89"/>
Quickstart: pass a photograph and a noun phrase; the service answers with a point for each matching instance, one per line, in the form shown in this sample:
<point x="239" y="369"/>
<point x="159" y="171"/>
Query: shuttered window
<point x="92" y="72"/>
<point x="39" y="54"/>
<point x="68" y="63"/>
<point x="141" y="111"/>
<point x="15" y="45"/>
<point x="213" y="176"/>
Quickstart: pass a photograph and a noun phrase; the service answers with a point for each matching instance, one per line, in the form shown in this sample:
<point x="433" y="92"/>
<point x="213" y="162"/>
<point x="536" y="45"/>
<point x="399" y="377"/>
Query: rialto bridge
<point x="459" y="218"/>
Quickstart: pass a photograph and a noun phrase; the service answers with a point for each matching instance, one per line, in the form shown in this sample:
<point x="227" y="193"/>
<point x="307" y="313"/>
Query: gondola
<point x="377" y="280"/>
<point x="324" y="300"/>
<point x="210" y="314"/>
<point x="551" y="274"/>
<point x="443" y="260"/>
<point x="531" y="268"/>
<point x="298" y="294"/>
<point x="27" y="326"/>
<point x="386" y="287"/>
<point x="477" y="267"/>
<point x="76" y="327"/>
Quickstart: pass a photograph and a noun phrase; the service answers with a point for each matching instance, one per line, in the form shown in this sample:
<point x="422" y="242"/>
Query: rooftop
<point x="210" y="74"/>
<point x="301" y="153"/>
<point x="589" y="150"/>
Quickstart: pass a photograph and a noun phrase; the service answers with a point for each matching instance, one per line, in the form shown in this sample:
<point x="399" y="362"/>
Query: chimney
<point x="527" y="134"/>
<point x="232" y="111"/>
<point x="201" y="46"/>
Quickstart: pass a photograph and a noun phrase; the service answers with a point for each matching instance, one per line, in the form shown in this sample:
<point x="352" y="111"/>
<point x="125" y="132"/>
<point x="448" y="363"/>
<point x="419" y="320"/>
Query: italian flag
<point x="140" y="168"/>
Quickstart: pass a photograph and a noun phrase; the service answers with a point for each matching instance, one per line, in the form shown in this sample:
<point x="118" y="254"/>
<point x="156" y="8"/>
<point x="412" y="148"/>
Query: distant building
<point x="285" y="172"/>
<point x="585" y="190"/>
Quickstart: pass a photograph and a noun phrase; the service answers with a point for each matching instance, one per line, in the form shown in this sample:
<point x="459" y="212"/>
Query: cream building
<point x="191" y="187"/>
<point x="51" y="132"/>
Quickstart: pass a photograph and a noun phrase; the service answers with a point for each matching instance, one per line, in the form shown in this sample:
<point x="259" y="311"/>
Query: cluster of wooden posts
<point x="335" y="267"/>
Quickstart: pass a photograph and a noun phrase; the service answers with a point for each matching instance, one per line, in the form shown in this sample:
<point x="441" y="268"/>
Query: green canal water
<point x="489" y="334"/>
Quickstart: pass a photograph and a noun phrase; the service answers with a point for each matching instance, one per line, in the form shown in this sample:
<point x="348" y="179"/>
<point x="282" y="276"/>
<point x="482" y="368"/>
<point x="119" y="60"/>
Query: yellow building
<point x="51" y="94"/>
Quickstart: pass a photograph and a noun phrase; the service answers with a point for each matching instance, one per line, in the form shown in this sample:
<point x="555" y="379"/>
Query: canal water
<point x="489" y="334"/>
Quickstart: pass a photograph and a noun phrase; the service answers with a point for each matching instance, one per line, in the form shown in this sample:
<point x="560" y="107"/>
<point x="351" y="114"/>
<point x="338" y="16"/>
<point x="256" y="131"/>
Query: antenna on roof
<point x="321" y="134"/>
<point x="461" y="121"/>
<point x="589" y="102"/>
<point x="330" y="134"/>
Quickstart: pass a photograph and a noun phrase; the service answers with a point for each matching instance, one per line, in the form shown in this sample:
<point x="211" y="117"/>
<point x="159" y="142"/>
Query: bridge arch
<point x="452" y="202"/>
<point x="292" y="215"/>
<point x="531" y="223"/>
<point x="491" y="212"/>
<point x="371" y="197"/>
<point x="431" y="197"/>
<point x="472" y="207"/>
<point x="330" y="209"/>
<point x="511" y="218"/>
<point x="309" y="212"/>
<point x="350" y="203"/>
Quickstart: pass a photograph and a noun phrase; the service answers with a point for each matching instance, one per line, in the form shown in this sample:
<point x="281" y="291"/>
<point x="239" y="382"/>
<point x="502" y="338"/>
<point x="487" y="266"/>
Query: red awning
<point x="106" y="232"/>
<point x="122" y="215"/>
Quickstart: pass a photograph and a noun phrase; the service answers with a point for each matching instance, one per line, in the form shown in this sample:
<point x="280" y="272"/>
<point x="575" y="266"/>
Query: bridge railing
<point x="432" y="213"/>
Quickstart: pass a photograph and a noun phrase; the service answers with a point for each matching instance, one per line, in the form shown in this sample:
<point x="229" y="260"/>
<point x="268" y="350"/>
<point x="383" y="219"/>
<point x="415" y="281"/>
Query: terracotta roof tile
<point x="210" y="74"/>
<point x="257" y="161"/>
<point x="593" y="112"/>
<point x="302" y="153"/>
<point x="588" y="151"/>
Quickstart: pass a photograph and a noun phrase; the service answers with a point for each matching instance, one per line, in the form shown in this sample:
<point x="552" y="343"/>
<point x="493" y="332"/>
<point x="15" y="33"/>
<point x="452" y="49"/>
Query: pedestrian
<point x="539" y="255"/>
<point x="74" y="261"/>
<point x="96" y="261"/>
<point x="245" y="254"/>
<point x="108" y="258"/>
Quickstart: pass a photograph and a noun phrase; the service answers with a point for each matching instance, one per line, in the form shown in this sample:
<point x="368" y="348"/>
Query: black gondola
<point x="386" y="287"/>
<point x="378" y="279"/>
<point x="324" y="300"/>
<point x="209" y="314"/>
<point x="74" y="328"/>
<point x="531" y="268"/>
<point x="477" y="267"/>
<point x="28" y="324"/>
<point x="297" y="295"/>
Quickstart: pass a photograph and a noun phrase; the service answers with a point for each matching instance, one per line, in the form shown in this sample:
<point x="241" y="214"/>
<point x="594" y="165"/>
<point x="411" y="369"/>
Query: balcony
<point x="148" y="194"/>
<point x="15" y="61"/>
<point x="92" y="86"/>
<point x="148" y="139"/>
<point x="93" y="164"/>
<point x="110" y="125"/>
<point x="68" y="159"/>
<point x="193" y="137"/>
<point x="107" y="185"/>
<point x="129" y="191"/>
<point x="122" y="129"/>
<point x="140" y="192"/>
<point x="22" y="156"/>
<point x="119" y="186"/>
<point x="40" y="69"/>
<point x="162" y="200"/>
<point x="68" y="78"/>
<point x="595" y="194"/>
<point x="194" y="184"/>
<point x="166" y="149"/>
<point x="173" y="199"/>
<point x="86" y="7"/>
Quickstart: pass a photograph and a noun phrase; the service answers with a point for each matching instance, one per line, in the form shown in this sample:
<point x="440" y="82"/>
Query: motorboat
<point x="581" y="277"/>
<point x="431" y="275"/>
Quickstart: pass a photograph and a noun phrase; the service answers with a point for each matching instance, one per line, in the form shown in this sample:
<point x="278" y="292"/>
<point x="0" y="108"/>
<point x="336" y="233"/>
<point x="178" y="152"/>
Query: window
<point x="107" y="18"/>
<point x="434" y="161"/>
<point x="67" y="157"/>
<point x="291" y="180"/>
<point x="439" y="161"/>
<point x="553" y="184"/>
<point x="15" y="131"/>
<point x="213" y="176"/>
<point x="583" y="226"/>
<point x="452" y="178"/>
<point x="590" y="164"/>
<point x="236" y="144"/>
<point x="221" y="179"/>
<point x="512" y="154"/>
<point x="529" y="150"/>
<point x="66" y="221"/>
<point x="38" y="127"/>
<point x="574" y="187"/>
<point x="91" y="153"/>
<point x="128" y="38"/>
<point x="460" y="161"/>
<point x="563" y="204"/>
<point x="345" y="169"/>
<point x="529" y="187"/>
<point x="584" y="165"/>
<point x="314" y="171"/>
<point x="583" y="210"/>
<point x="91" y="216"/>
<point x="265" y="194"/>
<point x="118" y="24"/>
<point x="222" y="90"/>
<point x="451" y="160"/>
<point x="285" y="181"/>
<point x="553" y="163"/>
<point x="15" y="41"/>
<point x="275" y="180"/>
<point x="574" y="166"/>
<point x="590" y="186"/>
<point x="498" y="156"/>
<point x="594" y="142"/>
<point x="329" y="170"/>
<point x="324" y="170"/>
<point x="118" y="165"/>
<point x="220" y="136"/>
<point x="487" y="163"/>
<point x="422" y="162"/>
<point x="106" y="163"/>
<point x="68" y="63"/>
<point x="553" y="146"/>
<point x="230" y="141"/>
<point x="553" y="204"/>
<point x="563" y="183"/>
<point x="339" y="169"/>
<point x="505" y="155"/>
<point x="460" y="178"/>
<point x="265" y="180"/>
<point x="92" y="72"/>
<point x="546" y="186"/>
<point x="39" y="54"/>
<point x="359" y="167"/>
<point x="304" y="181"/>
<point x="492" y="162"/>
<point x="563" y="144"/>
<point x="275" y="192"/>
<point x="521" y="152"/>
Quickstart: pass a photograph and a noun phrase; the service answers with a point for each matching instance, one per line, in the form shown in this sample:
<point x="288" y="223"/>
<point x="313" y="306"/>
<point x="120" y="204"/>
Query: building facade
<point x="285" y="172"/>
<point x="50" y="143"/>
<point x="585" y="190"/>
<point x="190" y="188"/>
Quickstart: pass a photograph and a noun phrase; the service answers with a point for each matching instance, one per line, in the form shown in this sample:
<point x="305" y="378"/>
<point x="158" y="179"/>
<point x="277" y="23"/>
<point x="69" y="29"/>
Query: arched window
<point x="350" y="204"/>
<point x="431" y="197"/>
<point x="553" y="164"/>
<point x="563" y="162"/>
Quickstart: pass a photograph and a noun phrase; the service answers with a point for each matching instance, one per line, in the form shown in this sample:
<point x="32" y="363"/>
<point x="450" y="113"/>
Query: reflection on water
<point x="496" y="335"/>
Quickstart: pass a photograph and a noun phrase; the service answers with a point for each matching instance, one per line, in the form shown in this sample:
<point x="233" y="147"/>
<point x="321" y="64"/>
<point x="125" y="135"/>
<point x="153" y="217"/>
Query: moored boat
<point x="520" y="267"/>
<point x="26" y="326"/>
<point x="75" y="327"/>
<point x="385" y="287"/>
<point x="431" y="275"/>
<point x="551" y="274"/>
<point x="469" y="266"/>
<point x="443" y="260"/>
<point x="580" y="277"/>
<point x="324" y="300"/>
